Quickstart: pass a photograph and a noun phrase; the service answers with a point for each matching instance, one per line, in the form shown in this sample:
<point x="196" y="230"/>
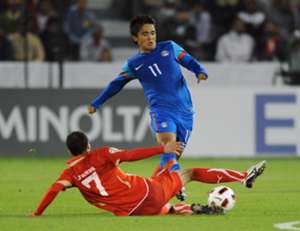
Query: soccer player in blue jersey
<point x="157" y="67"/>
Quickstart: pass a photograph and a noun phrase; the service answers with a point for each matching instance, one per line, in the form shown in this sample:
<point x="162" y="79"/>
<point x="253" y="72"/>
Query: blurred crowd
<point x="229" y="30"/>
<point x="211" y="30"/>
<point x="53" y="30"/>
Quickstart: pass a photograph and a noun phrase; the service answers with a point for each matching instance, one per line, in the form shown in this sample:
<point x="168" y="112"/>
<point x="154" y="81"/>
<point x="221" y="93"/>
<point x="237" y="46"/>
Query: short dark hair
<point x="137" y="22"/>
<point x="77" y="143"/>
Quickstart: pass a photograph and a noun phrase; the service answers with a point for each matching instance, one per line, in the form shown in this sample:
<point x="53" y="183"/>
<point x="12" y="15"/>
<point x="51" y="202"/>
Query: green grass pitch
<point x="274" y="199"/>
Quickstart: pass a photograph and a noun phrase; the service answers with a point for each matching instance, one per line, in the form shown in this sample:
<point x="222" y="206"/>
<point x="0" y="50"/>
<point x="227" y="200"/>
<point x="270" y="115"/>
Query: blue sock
<point x="165" y="158"/>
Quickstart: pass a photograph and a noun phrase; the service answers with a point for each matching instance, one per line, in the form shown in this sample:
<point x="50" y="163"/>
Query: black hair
<point x="137" y="23"/>
<point x="77" y="143"/>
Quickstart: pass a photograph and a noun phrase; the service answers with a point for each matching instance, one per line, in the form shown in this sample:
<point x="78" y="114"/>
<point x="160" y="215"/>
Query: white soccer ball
<point x="222" y="196"/>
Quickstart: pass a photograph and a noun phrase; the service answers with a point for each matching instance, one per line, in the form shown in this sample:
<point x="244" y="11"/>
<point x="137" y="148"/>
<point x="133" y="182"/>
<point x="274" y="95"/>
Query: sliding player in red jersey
<point x="102" y="183"/>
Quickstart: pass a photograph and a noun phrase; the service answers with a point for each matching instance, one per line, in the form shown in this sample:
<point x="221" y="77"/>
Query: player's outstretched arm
<point x="143" y="153"/>
<point x="189" y="62"/>
<point x="112" y="89"/>
<point x="50" y="196"/>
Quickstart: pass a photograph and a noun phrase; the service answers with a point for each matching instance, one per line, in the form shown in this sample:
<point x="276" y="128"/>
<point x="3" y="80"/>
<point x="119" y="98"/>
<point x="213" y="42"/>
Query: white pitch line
<point x="288" y="225"/>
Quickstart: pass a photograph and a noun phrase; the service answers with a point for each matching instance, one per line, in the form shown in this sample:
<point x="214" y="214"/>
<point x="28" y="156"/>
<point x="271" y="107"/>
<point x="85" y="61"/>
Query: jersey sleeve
<point x="52" y="192"/>
<point x="127" y="70"/>
<point x="186" y="60"/>
<point x="116" y="156"/>
<point x="65" y="176"/>
<point x="49" y="196"/>
<point x="114" y="86"/>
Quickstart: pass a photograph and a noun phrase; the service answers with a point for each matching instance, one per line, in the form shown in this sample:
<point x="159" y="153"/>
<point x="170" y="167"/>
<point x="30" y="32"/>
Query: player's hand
<point x="91" y="109"/>
<point x="175" y="147"/>
<point x="201" y="76"/>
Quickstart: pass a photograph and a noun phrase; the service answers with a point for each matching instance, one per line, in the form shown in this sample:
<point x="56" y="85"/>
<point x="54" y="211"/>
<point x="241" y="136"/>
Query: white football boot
<point x="253" y="172"/>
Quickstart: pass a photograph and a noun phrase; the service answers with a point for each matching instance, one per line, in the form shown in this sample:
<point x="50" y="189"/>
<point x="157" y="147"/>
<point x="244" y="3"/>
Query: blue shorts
<point x="180" y="124"/>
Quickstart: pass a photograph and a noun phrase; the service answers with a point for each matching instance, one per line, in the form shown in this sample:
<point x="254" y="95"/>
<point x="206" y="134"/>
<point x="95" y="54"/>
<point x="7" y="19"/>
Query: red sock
<point x="217" y="175"/>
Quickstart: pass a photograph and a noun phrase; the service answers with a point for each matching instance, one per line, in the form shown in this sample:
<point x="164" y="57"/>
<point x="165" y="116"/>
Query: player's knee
<point x="164" y="138"/>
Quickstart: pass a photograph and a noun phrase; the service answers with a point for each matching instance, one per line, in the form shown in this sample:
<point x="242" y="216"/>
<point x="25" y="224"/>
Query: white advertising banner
<point x="244" y="122"/>
<point x="237" y="122"/>
<point x="98" y="75"/>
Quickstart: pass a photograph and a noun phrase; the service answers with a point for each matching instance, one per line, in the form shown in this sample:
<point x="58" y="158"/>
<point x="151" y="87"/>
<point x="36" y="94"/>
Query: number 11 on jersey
<point x="155" y="69"/>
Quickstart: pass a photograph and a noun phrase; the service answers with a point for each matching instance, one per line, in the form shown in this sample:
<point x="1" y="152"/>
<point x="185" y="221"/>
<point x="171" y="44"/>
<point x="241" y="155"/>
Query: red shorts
<point x="161" y="189"/>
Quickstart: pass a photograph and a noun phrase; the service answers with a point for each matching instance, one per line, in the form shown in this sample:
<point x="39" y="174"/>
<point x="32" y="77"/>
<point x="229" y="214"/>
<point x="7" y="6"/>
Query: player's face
<point x="146" y="38"/>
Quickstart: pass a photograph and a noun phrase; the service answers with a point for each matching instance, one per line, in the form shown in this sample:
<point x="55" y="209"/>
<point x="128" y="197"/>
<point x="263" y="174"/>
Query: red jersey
<point x="102" y="183"/>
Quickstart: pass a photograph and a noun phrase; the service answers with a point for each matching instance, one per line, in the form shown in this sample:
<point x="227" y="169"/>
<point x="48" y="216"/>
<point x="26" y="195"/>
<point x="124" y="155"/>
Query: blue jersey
<point x="160" y="76"/>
